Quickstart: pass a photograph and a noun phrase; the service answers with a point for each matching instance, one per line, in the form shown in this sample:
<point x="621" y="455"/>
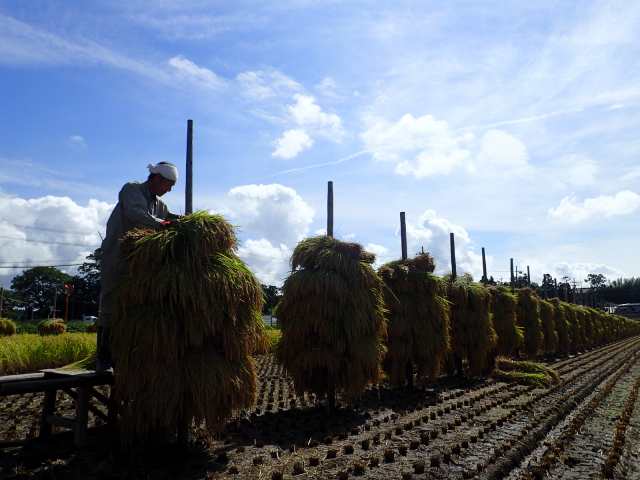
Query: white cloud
<point x="432" y="233"/>
<point x="265" y="84"/>
<point x="421" y="146"/>
<point x="580" y="270"/>
<point x="23" y="44"/>
<point x="77" y="141"/>
<point x="604" y="206"/>
<point x="306" y="113"/>
<point x="291" y="143"/>
<point x="503" y="153"/>
<point x="201" y="76"/>
<point x="270" y="263"/>
<point x="309" y="121"/>
<point x="274" y="212"/>
<point x="425" y="147"/>
<point x="380" y="251"/>
<point x="575" y="170"/>
<point x="48" y="230"/>
<point x="271" y="220"/>
<point x="328" y="88"/>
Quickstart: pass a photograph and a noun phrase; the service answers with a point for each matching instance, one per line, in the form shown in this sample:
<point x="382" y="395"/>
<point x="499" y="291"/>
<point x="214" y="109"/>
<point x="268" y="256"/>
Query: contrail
<point x="320" y="165"/>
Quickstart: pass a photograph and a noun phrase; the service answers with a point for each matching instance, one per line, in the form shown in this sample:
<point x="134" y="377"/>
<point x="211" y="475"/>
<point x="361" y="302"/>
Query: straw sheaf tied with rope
<point x="549" y="332"/>
<point x="473" y="335"/>
<point x="562" y="326"/>
<point x="529" y="319"/>
<point x="332" y="317"/>
<point x="418" y="318"/>
<point x="505" y="321"/>
<point x="187" y="322"/>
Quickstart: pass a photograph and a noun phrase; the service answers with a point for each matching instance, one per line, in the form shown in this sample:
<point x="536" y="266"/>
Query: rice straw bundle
<point x="418" y="331"/>
<point x="529" y="319"/>
<point x="187" y="321"/>
<point x="332" y="318"/>
<point x="549" y="332"/>
<point x="505" y="321"/>
<point x="583" y="329"/>
<point x="575" y="330"/>
<point x="562" y="326"/>
<point x="473" y="335"/>
<point x="523" y="372"/>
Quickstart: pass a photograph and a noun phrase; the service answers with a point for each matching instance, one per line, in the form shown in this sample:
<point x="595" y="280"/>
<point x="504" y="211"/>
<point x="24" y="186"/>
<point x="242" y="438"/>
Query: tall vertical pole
<point x="528" y="276"/>
<point x="453" y="256"/>
<point x="1" y="300"/>
<point x="512" y="279"/>
<point x="484" y="267"/>
<point x="188" y="196"/>
<point x="331" y="393"/>
<point x="403" y="236"/>
<point x="330" y="209"/>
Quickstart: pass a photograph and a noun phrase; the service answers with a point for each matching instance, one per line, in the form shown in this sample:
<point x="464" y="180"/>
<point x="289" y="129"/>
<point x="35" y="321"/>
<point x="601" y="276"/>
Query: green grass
<point x="24" y="353"/>
<point x="274" y="334"/>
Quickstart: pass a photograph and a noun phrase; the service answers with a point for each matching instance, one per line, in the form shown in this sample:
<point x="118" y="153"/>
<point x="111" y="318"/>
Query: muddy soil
<point x="454" y="429"/>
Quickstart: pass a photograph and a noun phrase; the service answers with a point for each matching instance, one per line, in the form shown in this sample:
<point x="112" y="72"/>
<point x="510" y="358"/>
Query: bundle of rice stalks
<point x="562" y="326"/>
<point x="575" y="330"/>
<point x="188" y="318"/>
<point x="581" y="327"/>
<point x="529" y="319"/>
<point x="418" y="331"/>
<point x="7" y="327"/>
<point x="505" y="321"/>
<point x="473" y="336"/>
<point x="332" y="318"/>
<point x="54" y="326"/>
<point x="549" y="332"/>
<point x="525" y="373"/>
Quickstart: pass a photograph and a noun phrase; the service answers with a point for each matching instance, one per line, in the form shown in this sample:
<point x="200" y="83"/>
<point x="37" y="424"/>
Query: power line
<point x="36" y="265"/>
<point x="49" y="242"/>
<point x="46" y="229"/>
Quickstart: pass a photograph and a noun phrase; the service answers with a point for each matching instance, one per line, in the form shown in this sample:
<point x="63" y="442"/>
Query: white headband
<point x="168" y="171"/>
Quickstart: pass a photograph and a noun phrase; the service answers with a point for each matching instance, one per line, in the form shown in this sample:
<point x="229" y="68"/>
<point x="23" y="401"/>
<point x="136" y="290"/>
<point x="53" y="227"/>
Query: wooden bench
<point x="78" y="384"/>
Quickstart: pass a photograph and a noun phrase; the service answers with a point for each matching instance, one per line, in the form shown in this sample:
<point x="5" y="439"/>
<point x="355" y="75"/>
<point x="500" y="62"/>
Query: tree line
<point x="39" y="292"/>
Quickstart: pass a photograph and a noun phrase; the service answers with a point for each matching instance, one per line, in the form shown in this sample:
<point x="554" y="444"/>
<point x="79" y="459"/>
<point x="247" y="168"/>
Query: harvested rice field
<point x="586" y="426"/>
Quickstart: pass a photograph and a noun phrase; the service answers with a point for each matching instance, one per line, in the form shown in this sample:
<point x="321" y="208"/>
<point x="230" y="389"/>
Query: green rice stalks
<point x="525" y="373"/>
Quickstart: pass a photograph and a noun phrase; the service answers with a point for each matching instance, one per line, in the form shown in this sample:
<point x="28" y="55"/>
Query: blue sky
<point x="513" y="126"/>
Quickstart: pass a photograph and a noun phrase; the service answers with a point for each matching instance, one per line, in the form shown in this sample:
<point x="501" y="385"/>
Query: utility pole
<point x="1" y="300"/>
<point x="452" y="241"/>
<point x="528" y="276"/>
<point x="188" y="195"/>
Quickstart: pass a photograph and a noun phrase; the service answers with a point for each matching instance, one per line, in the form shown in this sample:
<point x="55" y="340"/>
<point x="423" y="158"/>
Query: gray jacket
<point x="137" y="207"/>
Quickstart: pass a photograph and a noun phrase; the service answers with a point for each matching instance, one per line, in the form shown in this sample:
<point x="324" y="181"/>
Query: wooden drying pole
<point x="452" y="242"/>
<point x="331" y="394"/>
<point x="485" y="279"/>
<point x="185" y="418"/>
<point x="403" y="245"/>
<point x="513" y="283"/>
<point x="188" y="193"/>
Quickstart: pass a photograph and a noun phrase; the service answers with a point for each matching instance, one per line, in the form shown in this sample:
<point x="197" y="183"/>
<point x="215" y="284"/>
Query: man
<point x="138" y="206"/>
